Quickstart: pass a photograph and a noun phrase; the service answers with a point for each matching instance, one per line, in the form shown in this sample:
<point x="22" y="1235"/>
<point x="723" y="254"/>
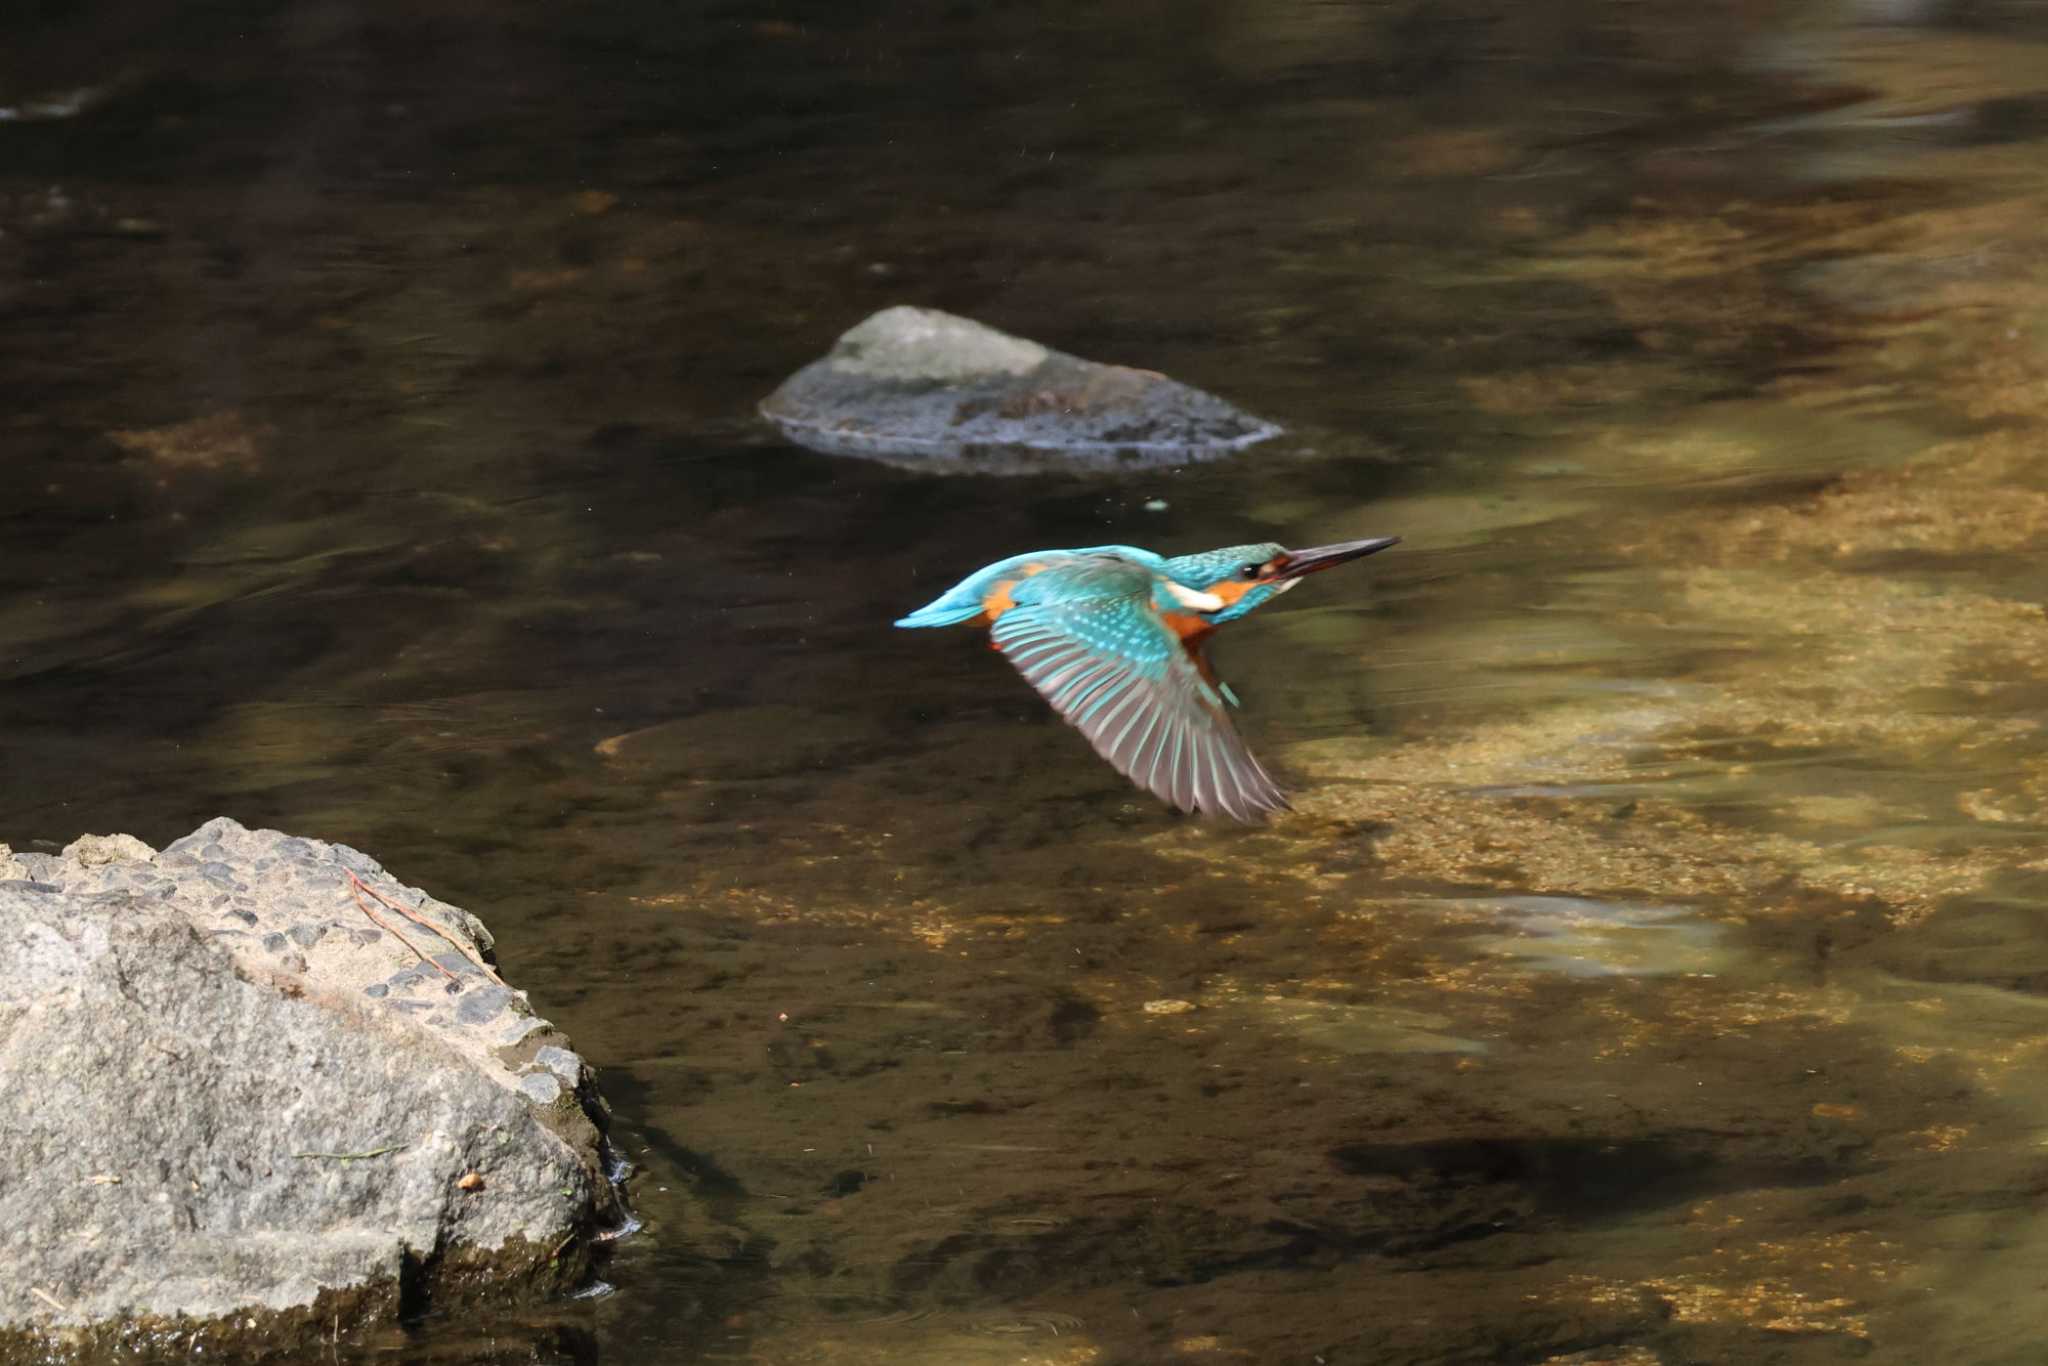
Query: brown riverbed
<point x="1653" y="970"/>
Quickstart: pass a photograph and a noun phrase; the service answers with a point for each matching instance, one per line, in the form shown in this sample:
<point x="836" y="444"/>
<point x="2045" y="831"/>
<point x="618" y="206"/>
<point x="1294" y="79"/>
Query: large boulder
<point x="928" y="390"/>
<point x="234" y="1109"/>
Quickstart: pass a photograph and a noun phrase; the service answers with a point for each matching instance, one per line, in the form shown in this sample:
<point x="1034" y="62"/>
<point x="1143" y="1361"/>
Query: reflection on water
<point x="1653" y="970"/>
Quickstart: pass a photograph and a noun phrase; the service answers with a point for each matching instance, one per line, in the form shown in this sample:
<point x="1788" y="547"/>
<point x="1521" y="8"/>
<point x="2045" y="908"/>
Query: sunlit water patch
<point x="1584" y="938"/>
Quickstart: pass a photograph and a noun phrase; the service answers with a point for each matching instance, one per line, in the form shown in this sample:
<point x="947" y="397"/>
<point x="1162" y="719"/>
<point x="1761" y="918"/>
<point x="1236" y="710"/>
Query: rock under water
<point x="237" y="1108"/>
<point x="928" y="390"/>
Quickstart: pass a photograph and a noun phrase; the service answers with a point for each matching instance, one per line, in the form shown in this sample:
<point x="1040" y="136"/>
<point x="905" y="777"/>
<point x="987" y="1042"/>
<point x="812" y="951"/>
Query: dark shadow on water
<point x="1583" y="1179"/>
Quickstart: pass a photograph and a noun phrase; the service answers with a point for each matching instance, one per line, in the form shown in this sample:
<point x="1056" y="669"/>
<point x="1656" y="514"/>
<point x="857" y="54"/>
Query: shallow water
<point x="1653" y="970"/>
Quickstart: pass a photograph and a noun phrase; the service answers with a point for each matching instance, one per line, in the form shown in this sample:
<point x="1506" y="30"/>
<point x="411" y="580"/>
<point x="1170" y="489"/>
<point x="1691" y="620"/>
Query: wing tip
<point x="1244" y="793"/>
<point x="1257" y="808"/>
<point x="1165" y="732"/>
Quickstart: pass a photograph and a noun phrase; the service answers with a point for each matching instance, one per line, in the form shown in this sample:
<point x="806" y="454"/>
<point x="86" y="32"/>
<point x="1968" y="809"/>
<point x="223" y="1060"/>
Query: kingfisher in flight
<point x="1112" y="636"/>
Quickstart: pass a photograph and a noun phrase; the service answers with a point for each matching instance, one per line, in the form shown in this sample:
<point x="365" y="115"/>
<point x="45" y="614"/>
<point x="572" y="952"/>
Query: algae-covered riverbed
<point x="1653" y="968"/>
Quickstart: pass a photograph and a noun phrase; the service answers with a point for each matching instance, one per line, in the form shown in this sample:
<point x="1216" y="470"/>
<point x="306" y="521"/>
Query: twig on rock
<point x="47" y="1298"/>
<point x="357" y="1157"/>
<point x="358" y="886"/>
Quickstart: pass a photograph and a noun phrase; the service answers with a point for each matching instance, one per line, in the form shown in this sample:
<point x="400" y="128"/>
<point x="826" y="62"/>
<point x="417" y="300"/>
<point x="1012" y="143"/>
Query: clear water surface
<point x="1655" y="969"/>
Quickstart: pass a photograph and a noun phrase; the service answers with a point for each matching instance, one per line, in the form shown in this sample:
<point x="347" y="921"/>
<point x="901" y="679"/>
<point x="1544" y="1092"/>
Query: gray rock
<point x="42" y="867"/>
<point x="482" y="1005"/>
<point x="92" y="851"/>
<point x="931" y="391"/>
<point x="456" y="963"/>
<point x="540" y="1087"/>
<point x="563" y="1063"/>
<point x="197" y="1140"/>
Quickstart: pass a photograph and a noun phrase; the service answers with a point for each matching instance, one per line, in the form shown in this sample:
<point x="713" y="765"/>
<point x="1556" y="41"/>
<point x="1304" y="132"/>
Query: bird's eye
<point x="1248" y="571"/>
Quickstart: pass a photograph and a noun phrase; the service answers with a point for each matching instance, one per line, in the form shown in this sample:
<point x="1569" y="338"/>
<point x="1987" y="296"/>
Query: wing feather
<point x="1085" y="634"/>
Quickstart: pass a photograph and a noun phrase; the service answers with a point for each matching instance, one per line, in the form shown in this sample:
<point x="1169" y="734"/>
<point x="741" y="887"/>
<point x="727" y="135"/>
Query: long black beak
<point x="1295" y="563"/>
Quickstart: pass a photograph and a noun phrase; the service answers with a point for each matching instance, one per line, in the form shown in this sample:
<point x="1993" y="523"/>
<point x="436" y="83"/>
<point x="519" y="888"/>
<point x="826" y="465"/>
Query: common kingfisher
<point x="1113" y="636"/>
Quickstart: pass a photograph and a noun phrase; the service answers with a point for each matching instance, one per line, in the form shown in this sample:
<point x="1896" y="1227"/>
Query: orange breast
<point x="1192" y="626"/>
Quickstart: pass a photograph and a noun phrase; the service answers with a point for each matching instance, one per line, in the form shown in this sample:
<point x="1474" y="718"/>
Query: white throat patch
<point x="1194" y="598"/>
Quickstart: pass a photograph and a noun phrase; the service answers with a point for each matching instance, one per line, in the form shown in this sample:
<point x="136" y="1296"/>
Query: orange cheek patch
<point x="1231" y="590"/>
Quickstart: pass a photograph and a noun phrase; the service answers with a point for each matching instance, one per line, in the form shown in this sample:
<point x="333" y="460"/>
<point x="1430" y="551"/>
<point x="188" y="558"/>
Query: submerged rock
<point x="928" y="390"/>
<point x="218" y="441"/>
<point x="236" y="1109"/>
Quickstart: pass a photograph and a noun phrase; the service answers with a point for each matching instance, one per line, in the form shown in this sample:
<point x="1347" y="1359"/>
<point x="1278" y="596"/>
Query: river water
<point x="1655" y="968"/>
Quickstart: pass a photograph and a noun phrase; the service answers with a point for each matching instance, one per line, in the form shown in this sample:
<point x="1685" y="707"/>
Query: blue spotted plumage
<point x="1112" y="637"/>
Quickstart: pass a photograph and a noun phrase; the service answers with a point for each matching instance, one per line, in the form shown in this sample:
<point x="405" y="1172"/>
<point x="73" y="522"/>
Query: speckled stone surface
<point x="226" y="1089"/>
<point x="928" y="390"/>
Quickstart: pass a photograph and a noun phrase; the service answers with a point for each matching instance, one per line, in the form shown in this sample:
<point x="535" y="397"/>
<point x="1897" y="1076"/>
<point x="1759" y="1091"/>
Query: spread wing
<point x="1084" y="633"/>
